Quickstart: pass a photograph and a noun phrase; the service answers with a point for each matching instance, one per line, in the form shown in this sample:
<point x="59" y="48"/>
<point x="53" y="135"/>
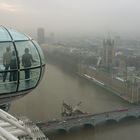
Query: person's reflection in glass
<point x="27" y="60"/>
<point x="6" y="62"/>
<point x="13" y="67"/>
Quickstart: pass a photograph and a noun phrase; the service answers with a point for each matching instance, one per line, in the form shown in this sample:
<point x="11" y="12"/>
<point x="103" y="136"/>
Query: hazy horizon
<point x="72" y="16"/>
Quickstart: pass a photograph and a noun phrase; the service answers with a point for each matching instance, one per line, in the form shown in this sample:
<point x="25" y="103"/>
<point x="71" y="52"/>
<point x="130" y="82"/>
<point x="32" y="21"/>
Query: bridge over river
<point x="89" y="120"/>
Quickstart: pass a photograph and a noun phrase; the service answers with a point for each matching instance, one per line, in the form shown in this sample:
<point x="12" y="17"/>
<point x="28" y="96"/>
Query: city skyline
<point x="70" y="16"/>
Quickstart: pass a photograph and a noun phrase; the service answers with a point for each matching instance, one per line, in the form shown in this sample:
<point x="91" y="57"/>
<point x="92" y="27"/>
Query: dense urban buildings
<point x="104" y="62"/>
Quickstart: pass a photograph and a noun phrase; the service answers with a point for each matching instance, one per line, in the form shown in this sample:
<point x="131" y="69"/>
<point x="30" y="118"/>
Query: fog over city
<point x="77" y="70"/>
<point x="72" y="16"/>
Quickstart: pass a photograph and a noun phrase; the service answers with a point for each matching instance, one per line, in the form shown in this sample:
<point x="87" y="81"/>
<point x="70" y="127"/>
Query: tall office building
<point x="41" y="35"/>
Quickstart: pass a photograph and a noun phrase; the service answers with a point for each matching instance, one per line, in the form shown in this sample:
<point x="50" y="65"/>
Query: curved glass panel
<point x="7" y="87"/>
<point x="8" y="68"/>
<point x="28" y="54"/>
<point x="40" y="51"/>
<point x="6" y="55"/>
<point x="4" y="36"/>
<point x="17" y="35"/>
<point x="29" y="78"/>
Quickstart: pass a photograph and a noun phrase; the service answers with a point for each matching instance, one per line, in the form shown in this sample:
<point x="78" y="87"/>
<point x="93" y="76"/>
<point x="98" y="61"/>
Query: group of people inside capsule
<point x="11" y="62"/>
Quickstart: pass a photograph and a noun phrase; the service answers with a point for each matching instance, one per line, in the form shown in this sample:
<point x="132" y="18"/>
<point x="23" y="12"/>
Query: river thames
<point x="45" y="102"/>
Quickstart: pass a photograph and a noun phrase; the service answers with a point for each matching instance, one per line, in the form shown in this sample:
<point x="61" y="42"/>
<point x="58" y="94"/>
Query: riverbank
<point x="104" y="86"/>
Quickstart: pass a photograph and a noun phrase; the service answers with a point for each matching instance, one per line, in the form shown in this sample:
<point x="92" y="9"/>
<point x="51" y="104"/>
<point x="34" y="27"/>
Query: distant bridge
<point x="89" y="120"/>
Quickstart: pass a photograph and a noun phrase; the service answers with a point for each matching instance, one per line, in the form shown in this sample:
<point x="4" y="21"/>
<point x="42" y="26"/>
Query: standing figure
<point x="27" y="60"/>
<point x="13" y="67"/>
<point x="6" y="62"/>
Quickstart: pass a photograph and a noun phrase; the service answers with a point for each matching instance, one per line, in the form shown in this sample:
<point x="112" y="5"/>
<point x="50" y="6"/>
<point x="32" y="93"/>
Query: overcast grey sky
<point x="72" y="15"/>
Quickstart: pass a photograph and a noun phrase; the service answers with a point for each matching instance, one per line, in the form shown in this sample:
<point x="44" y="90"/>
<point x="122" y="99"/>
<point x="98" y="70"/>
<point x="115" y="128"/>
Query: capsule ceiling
<point x="9" y="34"/>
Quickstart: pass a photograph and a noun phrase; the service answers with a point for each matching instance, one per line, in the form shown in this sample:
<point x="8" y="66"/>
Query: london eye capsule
<point x="21" y="64"/>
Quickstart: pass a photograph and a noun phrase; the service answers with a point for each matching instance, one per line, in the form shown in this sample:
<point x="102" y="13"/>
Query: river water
<point x="57" y="86"/>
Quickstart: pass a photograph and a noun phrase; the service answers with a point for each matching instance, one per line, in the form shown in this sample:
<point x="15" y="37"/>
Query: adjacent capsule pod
<point x="22" y="64"/>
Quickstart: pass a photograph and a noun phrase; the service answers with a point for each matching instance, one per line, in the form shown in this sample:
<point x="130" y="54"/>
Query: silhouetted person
<point x="13" y="67"/>
<point x="6" y="62"/>
<point x="27" y="60"/>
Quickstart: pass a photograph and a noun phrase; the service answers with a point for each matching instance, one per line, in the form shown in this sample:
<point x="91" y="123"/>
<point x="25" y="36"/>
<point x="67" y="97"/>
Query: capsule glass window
<point x="8" y="68"/>
<point x="4" y="36"/>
